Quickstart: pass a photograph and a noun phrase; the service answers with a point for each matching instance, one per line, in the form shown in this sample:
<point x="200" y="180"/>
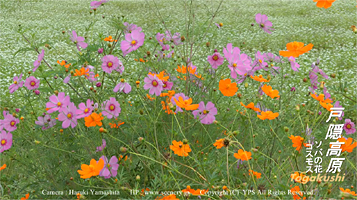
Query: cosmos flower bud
<point x="100" y="51"/>
<point x="56" y="92"/>
<point x="141" y="139"/>
<point x="305" y="80"/>
<point x="333" y="75"/>
<point x="63" y="32"/>
<point x="37" y="92"/>
<point x="98" y="84"/>
<point x="17" y="109"/>
<point x="246" y="85"/>
<point x="185" y="141"/>
<point x="297" y="107"/>
<point x="148" y="53"/>
<point x="37" y="142"/>
<point x="123" y="149"/>
<point x="208" y="44"/>
<point x="137" y="178"/>
<point x="182" y="38"/>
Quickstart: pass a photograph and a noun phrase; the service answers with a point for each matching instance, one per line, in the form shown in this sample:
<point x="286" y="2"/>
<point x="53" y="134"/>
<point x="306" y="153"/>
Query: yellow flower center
<point x="59" y="104"/>
<point x="260" y="61"/>
<point x="215" y="57"/>
<point x="348" y="126"/>
<point x="3" y="142"/>
<point x="15" y="82"/>
<point x="186" y="102"/>
<point x="91" y="168"/>
<point x="133" y="42"/>
<point x="111" y="107"/>
<point x="220" y="24"/>
<point x="228" y="86"/>
<point x="122" y="80"/>
<point x="205" y="111"/>
<point x="262" y="25"/>
<point x="33" y="83"/>
<point x="108" y="165"/>
<point x="69" y="115"/>
<point x="12" y="123"/>
<point x="154" y="83"/>
<point x="234" y="64"/>
<point x="164" y="85"/>
<point x="86" y="110"/>
<point x="110" y="64"/>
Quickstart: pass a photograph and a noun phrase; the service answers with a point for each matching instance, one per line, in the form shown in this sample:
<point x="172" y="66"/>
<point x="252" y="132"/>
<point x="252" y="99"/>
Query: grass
<point x="52" y="163"/>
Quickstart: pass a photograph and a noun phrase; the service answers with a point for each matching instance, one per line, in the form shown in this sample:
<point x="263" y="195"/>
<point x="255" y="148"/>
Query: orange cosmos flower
<point x="82" y="72"/>
<point x="93" y="169"/>
<point x="227" y="87"/>
<point x="109" y="39"/>
<point x="268" y="115"/>
<point x="297" y="142"/>
<point x="26" y="197"/>
<point x="167" y="197"/>
<point x="253" y="173"/>
<point x="121" y="157"/>
<point x="321" y="98"/>
<point x="93" y="120"/>
<point x="3" y="167"/>
<point x="243" y="155"/>
<point x="327" y="106"/>
<point x="349" y="144"/>
<point x="63" y="63"/>
<point x="295" y="49"/>
<point x="259" y="78"/>
<point x="161" y="76"/>
<point x="167" y="108"/>
<point x="267" y="89"/>
<point x="184" y="69"/>
<point x="348" y="191"/>
<point x="149" y="97"/>
<point x="250" y="106"/>
<point x="219" y="143"/>
<point x="295" y="191"/>
<point x="180" y="149"/>
<point x="114" y="125"/>
<point x="78" y="195"/>
<point x="300" y="177"/>
<point x="324" y="3"/>
<point x="186" y="104"/>
<point x="194" y="192"/>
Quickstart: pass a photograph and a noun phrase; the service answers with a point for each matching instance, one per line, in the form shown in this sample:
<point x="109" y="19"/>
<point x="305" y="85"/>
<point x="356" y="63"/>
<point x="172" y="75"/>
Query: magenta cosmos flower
<point x="96" y="4"/>
<point x="154" y="84"/>
<point x="349" y="127"/>
<point x="17" y="84"/>
<point x="85" y="109"/>
<point x="5" y="141"/>
<point x="132" y="41"/>
<point x="122" y="87"/>
<point x="9" y="122"/>
<point x="215" y="60"/>
<point x="46" y="122"/>
<point x="131" y="27"/>
<point x="238" y="63"/>
<point x="167" y="85"/>
<point x="264" y="23"/>
<point x="78" y="40"/>
<point x="37" y="62"/>
<point x="206" y="113"/>
<point x="162" y="41"/>
<point x="110" y="63"/>
<point x="110" y="168"/>
<point x="294" y="65"/>
<point x="68" y="116"/>
<point x="111" y="108"/>
<point x="101" y="147"/>
<point x="57" y="103"/>
<point x="32" y="83"/>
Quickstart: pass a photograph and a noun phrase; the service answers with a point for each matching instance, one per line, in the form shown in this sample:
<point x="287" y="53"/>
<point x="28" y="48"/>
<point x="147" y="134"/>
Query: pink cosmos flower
<point x="167" y="85"/>
<point x="67" y="79"/>
<point x="132" y="41"/>
<point x="176" y="96"/>
<point x="120" y="68"/>
<point x="175" y="38"/>
<point x="122" y="87"/>
<point x="327" y="95"/>
<point x="264" y="23"/>
<point x="111" y="108"/>
<point x="5" y="141"/>
<point x="337" y="105"/>
<point x="17" y="84"/>
<point x="78" y="40"/>
<point x="215" y="60"/>
<point x="91" y="74"/>
<point x="131" y="27"/>
<point x="101" y="147"/>
<point x="57" y="103"/>
<point x="294" y="65"/>
<point x="46" y="122"/>
<point x="154" y="84"/>
<point x="163" y="55"/>
<point x="37" y="62"/>
<point x="218" y="26"/>
<point x="349" y="127"/>
<point x="238" y="63"/>
<point x="270" y="57"/>
<point x="162" y="40"/>
<point x="32" y="83"/>
<point x="110" y="63"/>
<point x="96" y="4"/>
<point x="206" y="113"/>
<point x="9" y="122"/>
<point x="110" y="168"/>
<point x="85" y="109"/>
<point x="68" y="116"/>
<point x="259" y="62"/>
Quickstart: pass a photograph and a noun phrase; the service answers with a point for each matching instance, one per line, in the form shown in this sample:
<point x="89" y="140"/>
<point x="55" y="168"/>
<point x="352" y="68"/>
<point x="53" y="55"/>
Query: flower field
<point x="163" y="99"/>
